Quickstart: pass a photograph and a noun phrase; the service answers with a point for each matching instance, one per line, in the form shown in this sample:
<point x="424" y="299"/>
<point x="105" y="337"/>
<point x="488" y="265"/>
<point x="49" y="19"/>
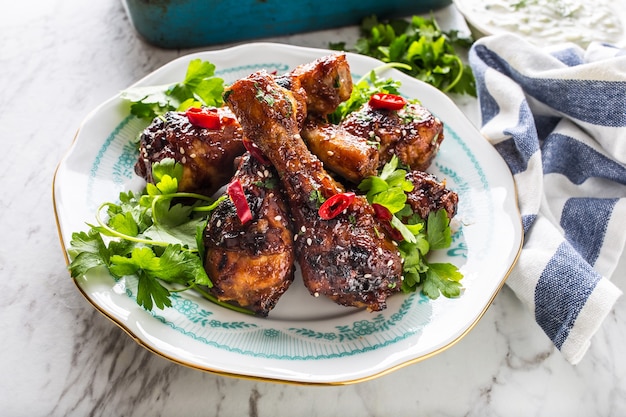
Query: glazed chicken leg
<point x="206" y="155"/>
<point x="251" y="264"/>
<point x="327" y="83"/>
<point x="412" y="133"/>
<point x="346" y="258"/>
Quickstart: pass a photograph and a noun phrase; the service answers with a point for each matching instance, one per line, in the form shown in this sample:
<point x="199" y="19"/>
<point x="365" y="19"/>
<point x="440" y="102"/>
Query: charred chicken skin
<point x="251" y="264"/>
<point x="430" y="195"/>
<point x="206" y="155"/>
<point x="345" y="258"/>
<point x="412" y="133"/>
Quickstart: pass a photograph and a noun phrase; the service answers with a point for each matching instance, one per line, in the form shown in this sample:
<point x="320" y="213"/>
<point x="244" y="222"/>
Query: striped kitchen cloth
<point x="558" y="118"/>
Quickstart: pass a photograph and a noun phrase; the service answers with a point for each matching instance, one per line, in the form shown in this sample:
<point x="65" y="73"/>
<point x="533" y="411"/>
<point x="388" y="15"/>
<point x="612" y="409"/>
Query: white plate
<point x="305" y="339"/>
<point x="549" y="22"/>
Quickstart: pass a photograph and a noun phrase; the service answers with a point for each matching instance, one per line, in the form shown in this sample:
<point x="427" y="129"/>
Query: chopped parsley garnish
<point x="427" y="51"/>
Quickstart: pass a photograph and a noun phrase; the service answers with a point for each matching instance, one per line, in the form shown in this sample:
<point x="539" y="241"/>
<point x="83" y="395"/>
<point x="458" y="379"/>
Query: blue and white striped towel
<point x="558" y="118"/>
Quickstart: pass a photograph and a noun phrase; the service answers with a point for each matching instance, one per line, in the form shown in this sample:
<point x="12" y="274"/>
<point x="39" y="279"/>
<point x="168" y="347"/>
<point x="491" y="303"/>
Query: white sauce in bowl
<point x="549" y="21"/>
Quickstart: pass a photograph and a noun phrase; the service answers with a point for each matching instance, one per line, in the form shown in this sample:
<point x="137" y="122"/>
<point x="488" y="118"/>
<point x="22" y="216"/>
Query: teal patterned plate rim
<point x="305" y="339"/>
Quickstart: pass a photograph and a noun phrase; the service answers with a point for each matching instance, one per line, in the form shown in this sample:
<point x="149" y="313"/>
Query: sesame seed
<point x="367" y="276"/>
<point x="183" y="160"/>
<point x="219" y="223"/>
<point x="316" y="294"/>
<point x="380" y="251"/>
<point x="390" y="262"/>
<point x="295" y="237"/>
<point x="303" y="229"/>
<point x="259" y="173"/>
<point x="266" y="173"/>
<point x="330" y="153"/>
<point x="309" y="241"/>
<point x="278" y="218"/>
<point x="182" y="151"/>
<point x="193" y="155"/>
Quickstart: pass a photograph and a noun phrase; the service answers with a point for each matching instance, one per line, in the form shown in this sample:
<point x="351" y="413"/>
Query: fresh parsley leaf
<point x="442" y="278"/>
<point x="389" y="187"/>
<point x="183" y="267"/>
<point x="438" y="230"/>
<point x="87" y="251"/>
<point x="435" y="279"/>
<point x="167" y="167"/>
<point x="199" y="88"/>
<point x="124" y="223"/>
<point x="149" y="290"/>
<point x="428" y="52"/>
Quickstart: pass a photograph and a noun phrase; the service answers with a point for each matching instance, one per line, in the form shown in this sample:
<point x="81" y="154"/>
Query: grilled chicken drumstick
<point x="327" y="82"/>
<point x="251" y="264"/>
<point x="346" y="258"/>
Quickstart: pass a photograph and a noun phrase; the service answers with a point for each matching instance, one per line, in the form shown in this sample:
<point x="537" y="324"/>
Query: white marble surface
<point x="58" y="356"/>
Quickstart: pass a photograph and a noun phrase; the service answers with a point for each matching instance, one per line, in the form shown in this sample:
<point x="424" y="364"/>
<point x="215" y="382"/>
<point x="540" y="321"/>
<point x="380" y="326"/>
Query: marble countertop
<point x="59" y="356"/>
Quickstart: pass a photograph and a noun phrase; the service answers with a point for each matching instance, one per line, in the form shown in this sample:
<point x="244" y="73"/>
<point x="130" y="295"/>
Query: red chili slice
<point x="238" y="197"/>
<point x="255" y="151"/>
<point x="203" y="117"/>
<point x="387" y="101"/>
<point x="383" y="214"/>
<point x="335" y="205"/>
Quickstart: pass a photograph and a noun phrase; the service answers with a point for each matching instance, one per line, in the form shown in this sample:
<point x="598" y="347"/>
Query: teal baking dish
<point x="193" y="23"/>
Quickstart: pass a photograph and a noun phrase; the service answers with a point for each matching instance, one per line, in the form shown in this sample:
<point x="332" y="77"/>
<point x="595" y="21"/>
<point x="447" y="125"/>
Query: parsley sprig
<point x="420" y="236"/>
<point x="152" y="236"/>
<point x="199" y="88"/>
<point x="420" y="44"/>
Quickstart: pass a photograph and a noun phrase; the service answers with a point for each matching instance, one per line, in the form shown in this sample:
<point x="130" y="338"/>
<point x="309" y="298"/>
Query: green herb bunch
<point x="429" y="53"/>
<point x="152" y="235"/>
